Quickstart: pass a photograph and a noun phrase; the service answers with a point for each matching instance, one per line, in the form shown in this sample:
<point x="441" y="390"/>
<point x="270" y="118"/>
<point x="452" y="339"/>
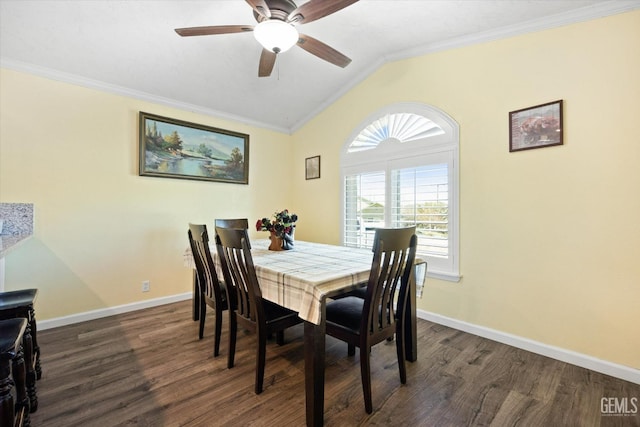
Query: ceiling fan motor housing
<point x="280" y="9"/>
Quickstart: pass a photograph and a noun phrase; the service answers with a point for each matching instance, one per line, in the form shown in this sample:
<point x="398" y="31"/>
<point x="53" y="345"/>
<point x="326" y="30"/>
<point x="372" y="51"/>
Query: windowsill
<point x="441" y="275"/>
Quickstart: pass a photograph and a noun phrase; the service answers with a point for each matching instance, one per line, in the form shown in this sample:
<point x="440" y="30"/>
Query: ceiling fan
<point x="276" y="30"/>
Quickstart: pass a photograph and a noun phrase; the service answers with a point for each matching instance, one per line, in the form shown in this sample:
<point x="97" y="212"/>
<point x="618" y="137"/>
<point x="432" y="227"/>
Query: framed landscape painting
<point x="171" y="148"/>
<point x="535" y="127"/>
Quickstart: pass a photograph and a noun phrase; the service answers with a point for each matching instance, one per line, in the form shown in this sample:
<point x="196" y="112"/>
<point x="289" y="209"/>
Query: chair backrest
<point x="205" y="267"/>
<point x="394" y="253"/>
<point x="234" y="251"/>
<point x="242" y="223"/>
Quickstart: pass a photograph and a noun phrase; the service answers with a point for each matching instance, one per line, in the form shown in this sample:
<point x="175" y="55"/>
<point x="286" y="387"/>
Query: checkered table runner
<point x="301" y="278"/>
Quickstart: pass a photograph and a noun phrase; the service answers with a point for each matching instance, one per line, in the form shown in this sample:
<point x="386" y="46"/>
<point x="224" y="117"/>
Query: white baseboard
<point x="619" y="371"/>
<point x="110" y="311"/>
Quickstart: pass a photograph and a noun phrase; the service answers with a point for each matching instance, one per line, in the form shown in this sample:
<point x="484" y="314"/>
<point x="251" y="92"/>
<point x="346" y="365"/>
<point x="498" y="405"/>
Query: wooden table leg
<point x="314" y="342"/>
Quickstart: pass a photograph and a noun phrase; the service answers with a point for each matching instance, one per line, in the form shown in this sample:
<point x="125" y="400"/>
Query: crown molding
<point x="600" y="10"/>
<point x="588" y="13"/>
<point x="131" y="93"/>
<point x="344" y="89"/>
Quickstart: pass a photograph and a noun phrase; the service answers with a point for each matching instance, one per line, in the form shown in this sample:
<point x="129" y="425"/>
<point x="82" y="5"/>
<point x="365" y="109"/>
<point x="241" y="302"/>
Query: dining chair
<point x="227" y="223"/>
<point x="250" y="310"/>
<point x="365" y="322"/>
<point x="20" y="304"/>
<point x="242" y="223"/>
<point x="212" y="291"/>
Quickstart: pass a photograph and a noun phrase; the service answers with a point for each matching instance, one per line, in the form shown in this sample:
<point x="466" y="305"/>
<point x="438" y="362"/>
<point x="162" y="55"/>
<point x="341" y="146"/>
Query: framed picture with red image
<point x="536" y="127"/>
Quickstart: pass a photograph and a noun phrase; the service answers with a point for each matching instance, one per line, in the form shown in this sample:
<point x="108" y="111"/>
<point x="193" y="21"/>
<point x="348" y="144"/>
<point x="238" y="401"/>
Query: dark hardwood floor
<point x="148" y="368"/>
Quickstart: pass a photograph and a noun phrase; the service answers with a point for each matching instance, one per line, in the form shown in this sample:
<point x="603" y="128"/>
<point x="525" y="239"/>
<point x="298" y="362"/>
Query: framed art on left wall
<point x="171" y="148"/>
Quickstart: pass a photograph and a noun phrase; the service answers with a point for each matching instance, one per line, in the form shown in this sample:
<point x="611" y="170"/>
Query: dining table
<point x="303" y="279"/>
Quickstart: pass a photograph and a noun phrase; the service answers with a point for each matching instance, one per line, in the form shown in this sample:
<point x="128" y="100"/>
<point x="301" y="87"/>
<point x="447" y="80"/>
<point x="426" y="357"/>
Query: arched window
<point x="400" y="168"/>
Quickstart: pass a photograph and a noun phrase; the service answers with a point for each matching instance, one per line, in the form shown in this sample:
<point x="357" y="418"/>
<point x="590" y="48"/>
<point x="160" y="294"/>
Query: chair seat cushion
<point x="19" y="298"/>
<point x="346" y="312"/>
<point x="360" y="292"/>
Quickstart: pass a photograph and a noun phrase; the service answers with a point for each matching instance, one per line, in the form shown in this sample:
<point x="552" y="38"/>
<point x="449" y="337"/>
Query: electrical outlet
<point x="146" y="286"/>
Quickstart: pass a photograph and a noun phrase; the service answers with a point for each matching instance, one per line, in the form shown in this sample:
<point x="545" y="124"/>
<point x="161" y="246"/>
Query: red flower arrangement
<point x="282" y="223"/>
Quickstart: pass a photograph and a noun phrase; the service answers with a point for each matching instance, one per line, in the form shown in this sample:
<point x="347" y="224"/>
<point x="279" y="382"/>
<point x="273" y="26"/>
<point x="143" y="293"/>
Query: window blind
<point x="364" y="207"/>
<point x="420" y="197"/>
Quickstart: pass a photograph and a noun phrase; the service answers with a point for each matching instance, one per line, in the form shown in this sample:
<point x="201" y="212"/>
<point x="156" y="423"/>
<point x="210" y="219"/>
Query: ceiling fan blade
<point x="218" y="29"/>
<point x="316" y="9"/>
<point x="261" y="7"/>
<point x="323" y="51"/>
<point x="267" y="60"/>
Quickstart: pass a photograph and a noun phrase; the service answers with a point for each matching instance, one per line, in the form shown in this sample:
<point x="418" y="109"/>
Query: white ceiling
<point x="129" y="47"/>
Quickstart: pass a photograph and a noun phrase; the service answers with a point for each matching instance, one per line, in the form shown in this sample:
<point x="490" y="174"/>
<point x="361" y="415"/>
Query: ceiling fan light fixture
<point x="275" y="35"/>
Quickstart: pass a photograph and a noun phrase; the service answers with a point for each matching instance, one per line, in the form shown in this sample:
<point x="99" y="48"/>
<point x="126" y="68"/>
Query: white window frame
<point x="393" y="154"/>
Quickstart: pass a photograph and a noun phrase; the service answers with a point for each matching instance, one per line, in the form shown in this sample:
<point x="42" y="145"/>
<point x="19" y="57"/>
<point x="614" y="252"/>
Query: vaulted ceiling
<point x="131" y="48"/>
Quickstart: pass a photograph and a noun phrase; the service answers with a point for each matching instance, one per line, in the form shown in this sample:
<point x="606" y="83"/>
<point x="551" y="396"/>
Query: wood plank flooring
<point x="148" y="368"/>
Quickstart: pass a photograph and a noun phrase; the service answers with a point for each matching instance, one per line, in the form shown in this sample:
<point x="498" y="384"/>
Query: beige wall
<point x="100" y="229"/>
<point x="549" y="237"/>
